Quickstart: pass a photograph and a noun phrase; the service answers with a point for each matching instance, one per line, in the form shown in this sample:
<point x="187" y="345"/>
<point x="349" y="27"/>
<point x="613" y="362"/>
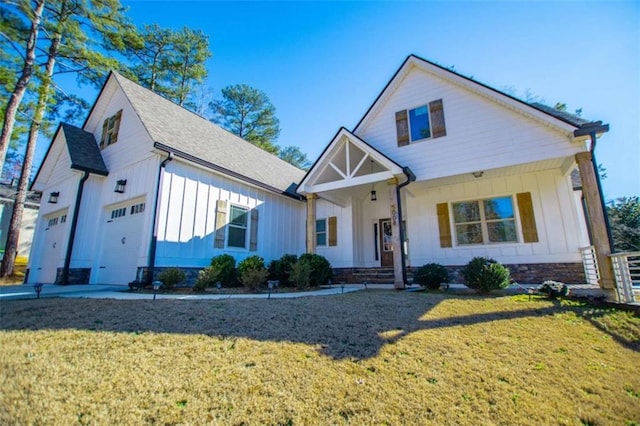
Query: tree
<point x="168" y="62"/>
<point x="72" y="31"/>
<point x="248" y="113"/>
<point x="624" y="219"/>
<point x="293" y="155"/>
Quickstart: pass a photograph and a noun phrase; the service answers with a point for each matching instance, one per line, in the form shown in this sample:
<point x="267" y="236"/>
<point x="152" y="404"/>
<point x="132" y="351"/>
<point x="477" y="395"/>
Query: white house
<point x="451" y="167"/>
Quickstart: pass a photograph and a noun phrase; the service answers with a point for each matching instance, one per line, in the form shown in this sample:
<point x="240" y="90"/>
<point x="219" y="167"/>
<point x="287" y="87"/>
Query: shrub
<point x="280" y="269"/>
<point x="431" y="276"/>
<point x="171" y="276"/>
<point x="252" y="272"/>
<point x="554" y="289"/>
<point x="224" y="270"/>
<point x="301" y="274"/>
<point x="206" y="278"/>
<point x="484" y="274"/>
<point x="321" y="271"/>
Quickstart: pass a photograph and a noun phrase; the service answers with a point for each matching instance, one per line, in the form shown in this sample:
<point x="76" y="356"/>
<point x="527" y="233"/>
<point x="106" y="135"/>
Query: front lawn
<point x="374" y="357"/>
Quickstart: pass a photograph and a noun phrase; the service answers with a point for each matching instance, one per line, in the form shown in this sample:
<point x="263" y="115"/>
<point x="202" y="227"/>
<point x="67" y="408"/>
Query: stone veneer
<point x="190" y="272"/>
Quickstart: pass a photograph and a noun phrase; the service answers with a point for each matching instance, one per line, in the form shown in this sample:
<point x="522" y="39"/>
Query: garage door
<point x="123" y="231"/>
<point x="52" y="254"/>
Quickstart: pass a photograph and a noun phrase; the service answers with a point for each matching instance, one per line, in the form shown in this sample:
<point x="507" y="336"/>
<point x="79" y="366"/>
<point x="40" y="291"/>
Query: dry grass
<point x="18" y="272"/>
<point x="376" y="357"/>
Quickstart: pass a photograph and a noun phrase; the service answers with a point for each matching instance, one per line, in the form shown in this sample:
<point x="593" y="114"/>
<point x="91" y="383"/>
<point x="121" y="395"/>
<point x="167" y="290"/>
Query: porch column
<point x="398" y="283"/>
<point x="597" y="222"/>
<point x="311" y="223"/>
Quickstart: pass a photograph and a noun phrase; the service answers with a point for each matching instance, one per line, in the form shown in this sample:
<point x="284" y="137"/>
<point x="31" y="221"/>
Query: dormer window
<point x="110" y="129"/>
<point x="421" y="123"/>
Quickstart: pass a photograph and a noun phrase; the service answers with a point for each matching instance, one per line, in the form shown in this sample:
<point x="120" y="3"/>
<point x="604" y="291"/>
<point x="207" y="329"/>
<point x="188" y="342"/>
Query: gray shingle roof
<point x="83" y="150"/>
<point x="561" y="115"/>
<point x="177" y="128"/>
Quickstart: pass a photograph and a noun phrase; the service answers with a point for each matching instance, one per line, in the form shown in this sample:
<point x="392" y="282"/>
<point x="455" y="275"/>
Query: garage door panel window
<point x="238" y="224"/>
<point x="116" y="213"/>
<point x="137" y="208"/>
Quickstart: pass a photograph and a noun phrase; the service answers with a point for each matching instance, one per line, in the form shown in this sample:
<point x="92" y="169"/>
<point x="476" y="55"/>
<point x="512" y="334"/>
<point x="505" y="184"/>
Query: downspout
<point x="600" y="193"/>
<point x="410" y="178"/>
<point x="154" y="232"/>
<point x="72" y="233"/>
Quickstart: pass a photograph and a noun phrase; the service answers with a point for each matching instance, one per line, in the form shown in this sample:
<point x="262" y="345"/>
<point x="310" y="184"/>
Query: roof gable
<point x="83" y="150"/>
<point x="567" y="123"/>
<point x="346" y="162"/>
<point x="179" y="130"/>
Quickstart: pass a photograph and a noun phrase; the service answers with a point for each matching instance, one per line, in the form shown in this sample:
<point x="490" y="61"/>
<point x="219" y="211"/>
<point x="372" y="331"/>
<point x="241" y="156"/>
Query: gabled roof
<point x="190" y="136"/>
<point x="83" y="150"/>
<point x="565" y="121"/>
<point x="348" y="161"/>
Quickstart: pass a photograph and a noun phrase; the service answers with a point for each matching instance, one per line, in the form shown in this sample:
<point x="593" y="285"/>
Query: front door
<point x="386" y="244"/>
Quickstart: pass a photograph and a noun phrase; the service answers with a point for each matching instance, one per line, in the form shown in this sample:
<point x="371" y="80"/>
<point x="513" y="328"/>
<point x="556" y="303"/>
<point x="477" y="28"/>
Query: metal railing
<point x="590" y="264"/>
<point x="626" y="269"/>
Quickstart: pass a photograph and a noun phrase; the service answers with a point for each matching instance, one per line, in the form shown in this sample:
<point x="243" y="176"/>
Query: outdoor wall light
<point x="120" y="186"/>
<point x="53" y="197"/>
<point x="477" y="174"/>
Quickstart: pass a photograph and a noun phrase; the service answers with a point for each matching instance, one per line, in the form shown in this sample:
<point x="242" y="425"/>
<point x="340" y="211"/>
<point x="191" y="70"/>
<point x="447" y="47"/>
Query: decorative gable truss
<point x="348" y="162"/>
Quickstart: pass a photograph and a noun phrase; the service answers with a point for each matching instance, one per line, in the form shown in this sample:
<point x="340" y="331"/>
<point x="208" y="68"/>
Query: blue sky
<point x="323" y="63"/>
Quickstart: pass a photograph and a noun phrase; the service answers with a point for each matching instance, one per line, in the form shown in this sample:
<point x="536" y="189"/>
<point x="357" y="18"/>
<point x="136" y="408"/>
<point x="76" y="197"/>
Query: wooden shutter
<point x="528" y="220"/>
<point x="333" y="231"/>
<point x="402" y="127"/>
<point x="221" y="222"/>
<point x="436" y="111"/>
<point x="253" y="236"/>
<point x="444" y="225"/>
<point x="116" y="127"/>
<point x="105" y="129"/>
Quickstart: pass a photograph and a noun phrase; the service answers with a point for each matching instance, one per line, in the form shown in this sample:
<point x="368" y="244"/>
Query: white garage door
<point x="122" y="234"/>
<point x="52" y="254"/>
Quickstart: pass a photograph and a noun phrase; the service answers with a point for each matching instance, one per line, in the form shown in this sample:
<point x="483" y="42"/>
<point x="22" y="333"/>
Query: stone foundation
<point x="190" y="272"/>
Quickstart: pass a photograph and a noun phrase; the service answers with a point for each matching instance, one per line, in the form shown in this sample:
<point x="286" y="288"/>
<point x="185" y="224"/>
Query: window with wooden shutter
<point x="333" y="231"/>
<point x="253" y="235"/>
<point x="402" y="127"/>
<point x="221" y="222"/>
<point x="436" y="111"/>
<point x="527" y="218"/>
<point x="443" y="225"/>
<point x="105" y="125"/>
<point x="116" y="127"/>
<point x="110" y="130"/>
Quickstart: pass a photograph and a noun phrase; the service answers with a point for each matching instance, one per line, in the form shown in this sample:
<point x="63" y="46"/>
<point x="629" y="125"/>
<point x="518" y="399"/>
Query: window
<point x="237" y="235"/>
<point x="321" y="232"/>
<point x="110" y="129"/>
<point x="423" y="122"/>
<point x="485" y="221"/>
<point x="137" y="208"/>
<point x="118" y="213"/>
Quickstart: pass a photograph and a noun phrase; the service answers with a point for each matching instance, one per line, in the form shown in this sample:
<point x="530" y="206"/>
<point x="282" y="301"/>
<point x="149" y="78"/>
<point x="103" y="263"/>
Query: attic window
<point x="110" y="129"/>
<point x="423" y="122"/>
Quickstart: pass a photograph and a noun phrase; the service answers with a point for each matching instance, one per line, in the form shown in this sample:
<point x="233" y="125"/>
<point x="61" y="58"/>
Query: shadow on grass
<point x="353" y="326"/>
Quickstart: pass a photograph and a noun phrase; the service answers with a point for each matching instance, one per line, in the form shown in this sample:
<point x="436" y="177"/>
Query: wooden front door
<point x="386" y="244"/>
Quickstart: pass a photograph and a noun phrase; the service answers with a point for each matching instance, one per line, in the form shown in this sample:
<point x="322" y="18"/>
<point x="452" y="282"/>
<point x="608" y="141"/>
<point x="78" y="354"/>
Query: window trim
<point x="246" y="227"/>
<point x="484" y="222"/>
<point x="429" y="119"/>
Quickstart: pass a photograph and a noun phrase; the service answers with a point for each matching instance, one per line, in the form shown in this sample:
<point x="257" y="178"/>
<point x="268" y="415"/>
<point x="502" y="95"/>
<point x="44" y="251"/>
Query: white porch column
<point x="311" y="223"/>
<point x="395" y="236"/>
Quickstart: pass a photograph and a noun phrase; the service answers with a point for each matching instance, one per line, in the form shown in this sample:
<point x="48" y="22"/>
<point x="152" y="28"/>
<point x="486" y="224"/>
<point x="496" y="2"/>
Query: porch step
<point x="369" y="275"/>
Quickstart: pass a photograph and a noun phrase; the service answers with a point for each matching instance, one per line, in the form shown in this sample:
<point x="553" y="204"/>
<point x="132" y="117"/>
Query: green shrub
<point x="206" y="278"/>
<point x="171" y="276"/>
<point x="252" y="272"/>
<point x="280" y="269"/>
<point x="484" y="274"/>
<point x="431" y="276"/>
<point x="301" y="274"/>
<point x="224" y="270"/>
<point x="321" y="271"/>
<point x="554" y="289"/>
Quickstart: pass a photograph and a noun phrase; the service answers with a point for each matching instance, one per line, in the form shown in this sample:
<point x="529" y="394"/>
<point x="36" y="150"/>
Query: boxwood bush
<point x="431" y="276"/>
<point x="171" y="276"/>
<point x="321" y="271"/>
<point x="252" y="272"/>
<point x="280" y="269"/>
<point x="485" y="274"/>
<point x="223" y="269"/>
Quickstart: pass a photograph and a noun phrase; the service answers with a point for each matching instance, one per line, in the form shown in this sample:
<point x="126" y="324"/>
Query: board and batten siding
<point x="340" y="255"/>
<point x="187" y="215"/>
<point x="560" y="225"/>
<point x="480" y="134"/>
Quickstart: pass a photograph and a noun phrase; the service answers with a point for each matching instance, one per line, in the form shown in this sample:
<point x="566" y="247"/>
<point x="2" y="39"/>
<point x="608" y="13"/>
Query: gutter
<point x="72" y="233"/>
<point x="410" y="178"/>
<point x="592" y="129"/>
<point x="154" y="231"/>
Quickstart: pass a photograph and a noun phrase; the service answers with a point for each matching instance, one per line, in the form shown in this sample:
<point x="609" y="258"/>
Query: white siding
<point x="481" y="134"/>
<point x="342" y="254"/>
<point x="560" y="226"/>
<point x="187" y="213"/>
